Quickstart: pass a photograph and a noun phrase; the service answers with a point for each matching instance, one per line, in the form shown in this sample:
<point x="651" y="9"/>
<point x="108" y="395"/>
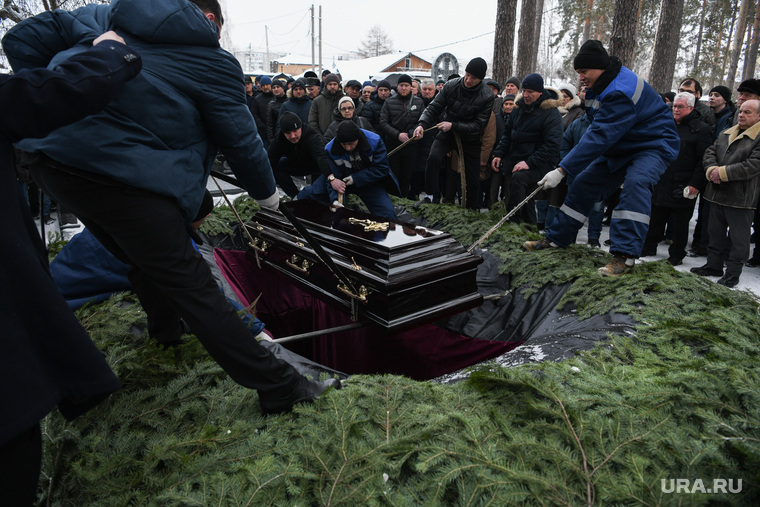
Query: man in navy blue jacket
<point x="630" y="142"/>
<point x="46" y="358"/>
<point x="135" y="174"/>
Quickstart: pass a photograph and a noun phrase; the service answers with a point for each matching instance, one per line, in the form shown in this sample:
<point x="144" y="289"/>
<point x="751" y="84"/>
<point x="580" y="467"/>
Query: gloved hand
<point x="272" y="202"/>
<point x="552" y="179"/>
<point x="690" y="192"/>
<point x="349" y="180"/>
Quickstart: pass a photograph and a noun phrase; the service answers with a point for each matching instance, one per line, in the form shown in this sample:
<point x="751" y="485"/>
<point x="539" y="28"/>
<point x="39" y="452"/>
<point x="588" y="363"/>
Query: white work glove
<point x="272" y="202"/>
<point x="687" y="194"/>
<point x="349" y="180"/>
<point x="552" y="179"/>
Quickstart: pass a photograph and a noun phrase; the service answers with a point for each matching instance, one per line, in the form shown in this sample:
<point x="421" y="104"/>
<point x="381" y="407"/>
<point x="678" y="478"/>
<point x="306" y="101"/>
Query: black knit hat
<point x="347" y="132"/>
<point x="477" y="67"/>
<point x="384" y="83"/>
<point x="495" y="84"/>
<point x="514" y="80"/>
<point x="533" y="82"/>
<point x="404" y="78"/>
<point x="592" y="55"/>
<point x="310" y="73"/>
<point x="723" y="91"/>
<point x="289" y="122"/>
<point x="299" y="83"/>
<point x="353" y="83"/>
<point x="750" y="86"/>
<point x="332" y="78"/>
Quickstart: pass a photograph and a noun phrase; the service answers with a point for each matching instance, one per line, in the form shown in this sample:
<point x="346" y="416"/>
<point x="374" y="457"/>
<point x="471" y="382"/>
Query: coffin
<point x="402" y="275"/>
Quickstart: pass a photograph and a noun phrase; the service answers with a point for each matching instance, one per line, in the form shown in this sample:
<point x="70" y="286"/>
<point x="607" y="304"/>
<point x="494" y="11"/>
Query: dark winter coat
<point x="308" y="153"/>
<point x="272" y="114"/>
<point x="322" y="108"/>
<point x="533" y="134"/>
<point x="468" y="109"/>
<point x="627" y="118"/>
<point x="299" y="106"/>
<point x="46" y="358"/>
<point x="371" y="110"/>
<point x="260" y="111"/>
<point x="373" y="168"/>
<point x="163" y="132"/>
<point x="573" y="134"/>
<point x="707" y="115"/>
<point x="332" y="130"/>
<point x="724" y="120"/>
<point x="737" y="156"/>
<point x="571" y="112"/>
<point x="399" y="114"/>
<point x="686" y="169"/>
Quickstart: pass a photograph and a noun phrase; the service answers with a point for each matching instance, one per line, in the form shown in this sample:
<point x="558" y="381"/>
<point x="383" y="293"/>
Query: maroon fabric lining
<point x="421" y="353"/>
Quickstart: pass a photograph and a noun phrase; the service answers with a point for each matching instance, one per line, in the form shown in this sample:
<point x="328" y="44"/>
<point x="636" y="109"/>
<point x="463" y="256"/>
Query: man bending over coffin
<point x="135" y="173"/>
<point x="358" y="164"/>
<point x="296" y="150"/>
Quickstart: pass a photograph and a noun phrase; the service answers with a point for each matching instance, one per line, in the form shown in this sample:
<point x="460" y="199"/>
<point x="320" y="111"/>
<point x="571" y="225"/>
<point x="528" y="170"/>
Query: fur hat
<point x="477" y="67"/>
<point x="750" y="86"/>
<point x="591" y="55"/>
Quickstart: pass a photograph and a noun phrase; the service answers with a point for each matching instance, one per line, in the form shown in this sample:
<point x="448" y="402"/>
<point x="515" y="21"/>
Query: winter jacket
<point x="723" y="120"/>
<point x="371" y="110"/>
<point x="272" y="114"/>
<point x="372" y="168"/>
<point x="46" y="359"/>
<point x="573" y="134"/>
<point x="332" y="130"/>
<point x="299" y="106"/>
<point x="468" y="109"/>
<point x="708" y="117"/>
<point x="737" y="156"/>
<point x="627" y="118"/>
<point x="399" y="114"/>
<point x="309" y="152"/>
<point x="686" y="169"/>
<point x="260" y="111"/>
<point x="571" y="112"/>
<point x="322" y="108"/>
<point x="533" y="134"/>
<point x="163" y="131"/>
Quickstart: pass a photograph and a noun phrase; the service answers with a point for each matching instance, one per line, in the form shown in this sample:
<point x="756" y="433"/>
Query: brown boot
<point x="541" y="244"/>
<point x="620" y="264"/>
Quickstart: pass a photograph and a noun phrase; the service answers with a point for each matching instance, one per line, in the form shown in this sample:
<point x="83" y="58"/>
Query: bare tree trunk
<point x="727" y="51"/>
<point x="736" y="50"/>
<point x="504" y="40"/>
<point x="587" y="20"/>
<point x="750" y="61"/>
<point x="666" y="45"/>
<point x="625" y="24"/>
<point x="537" y="32"/>
<point x="525" y="48"/>
<point x="699" y="38"/>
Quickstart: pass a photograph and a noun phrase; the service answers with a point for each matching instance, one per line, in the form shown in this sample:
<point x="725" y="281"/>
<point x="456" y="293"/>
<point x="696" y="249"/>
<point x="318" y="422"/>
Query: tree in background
<point x="504" y="40"/>
<point x="526" y="51"/>
<point x="377" y="43"/>
<point x="625" y="24"/>
<point x="666" y="45"/>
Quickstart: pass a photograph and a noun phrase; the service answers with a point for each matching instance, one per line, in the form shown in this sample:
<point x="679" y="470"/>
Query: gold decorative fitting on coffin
<point x="354" y="265"/>
<point x="299" y="244"/>
<point x="258" y="226"/>
<point x="361" y="296"/>
<point x="369" y="225"/>
<point x="260" y="245"/>
<point x="301" y="265"/>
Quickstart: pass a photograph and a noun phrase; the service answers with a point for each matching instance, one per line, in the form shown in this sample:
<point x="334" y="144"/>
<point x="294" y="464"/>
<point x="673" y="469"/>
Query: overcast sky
<point x="412" y="26"/>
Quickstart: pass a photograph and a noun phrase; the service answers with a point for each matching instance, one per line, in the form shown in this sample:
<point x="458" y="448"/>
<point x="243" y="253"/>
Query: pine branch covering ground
<point x="680" y="398"/>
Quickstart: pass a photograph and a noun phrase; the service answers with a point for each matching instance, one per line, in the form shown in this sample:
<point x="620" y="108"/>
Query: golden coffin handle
<point x="301" y="265"/>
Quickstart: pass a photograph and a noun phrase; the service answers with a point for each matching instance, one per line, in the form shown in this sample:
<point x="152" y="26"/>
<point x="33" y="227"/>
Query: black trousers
<point x="677" y="221"/>
<point x="522" y="184"/>
<point x="171" y="279"/>
<point x="444" y="143"/>
<point x="285" y="169"/>
<point x="403" y="163"/>
<point x="738" y="222"/>
<point x="20" y="461"/>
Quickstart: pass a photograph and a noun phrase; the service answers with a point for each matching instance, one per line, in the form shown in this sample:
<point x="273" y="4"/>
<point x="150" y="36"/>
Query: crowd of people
<point x="122" y="128"/>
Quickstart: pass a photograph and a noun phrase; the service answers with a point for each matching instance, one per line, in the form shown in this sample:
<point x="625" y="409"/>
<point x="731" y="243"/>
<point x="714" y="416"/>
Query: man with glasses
<point x="691" y="85"/>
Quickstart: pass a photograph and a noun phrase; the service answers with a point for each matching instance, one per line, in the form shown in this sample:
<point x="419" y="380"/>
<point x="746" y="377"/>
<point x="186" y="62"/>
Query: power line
<point x="456" y="42"/>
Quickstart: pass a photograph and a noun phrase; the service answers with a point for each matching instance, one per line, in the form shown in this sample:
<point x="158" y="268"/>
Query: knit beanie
<point x="289" y="122"/>
<point x="495" y="84"/>
<point x="265" y="80"/>
<point x="533" y="82"/>
<point x="404" y="78"/>
<point x="723" y="92"/>
<point x="384" y="83"/>
<point x="592" y="55"/>
<point x="514" y="81"/>
<point x="299" y="83"/>
<point x="347" y="132"/>
<point x="332" y="78"/>
<point x="477" y="67"/>
<point x="345" y="98"/>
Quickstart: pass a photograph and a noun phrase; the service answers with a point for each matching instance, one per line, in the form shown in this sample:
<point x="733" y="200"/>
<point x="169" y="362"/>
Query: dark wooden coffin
<point x="403" y="277"/>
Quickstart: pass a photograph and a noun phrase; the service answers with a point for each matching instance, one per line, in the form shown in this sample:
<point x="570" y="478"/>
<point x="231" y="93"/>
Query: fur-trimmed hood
<point x="575" y="102"/>
<point x="548" y="100"/>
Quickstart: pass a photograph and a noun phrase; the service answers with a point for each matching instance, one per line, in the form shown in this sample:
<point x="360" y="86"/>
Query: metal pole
<point x="312" y="37"/>
<point x="310" y="334"/>
<point x="506" y="217"/>
<point x="320" y="42"/>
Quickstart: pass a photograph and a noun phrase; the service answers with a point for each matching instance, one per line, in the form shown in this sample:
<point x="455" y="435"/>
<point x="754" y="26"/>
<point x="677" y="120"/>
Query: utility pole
<point x="312" y="37"/>
<point x="267" y="65"/>
<point x="320" y="42"/>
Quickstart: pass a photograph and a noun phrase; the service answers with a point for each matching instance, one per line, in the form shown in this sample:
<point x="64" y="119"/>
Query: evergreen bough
<point x="679" y="398"/>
